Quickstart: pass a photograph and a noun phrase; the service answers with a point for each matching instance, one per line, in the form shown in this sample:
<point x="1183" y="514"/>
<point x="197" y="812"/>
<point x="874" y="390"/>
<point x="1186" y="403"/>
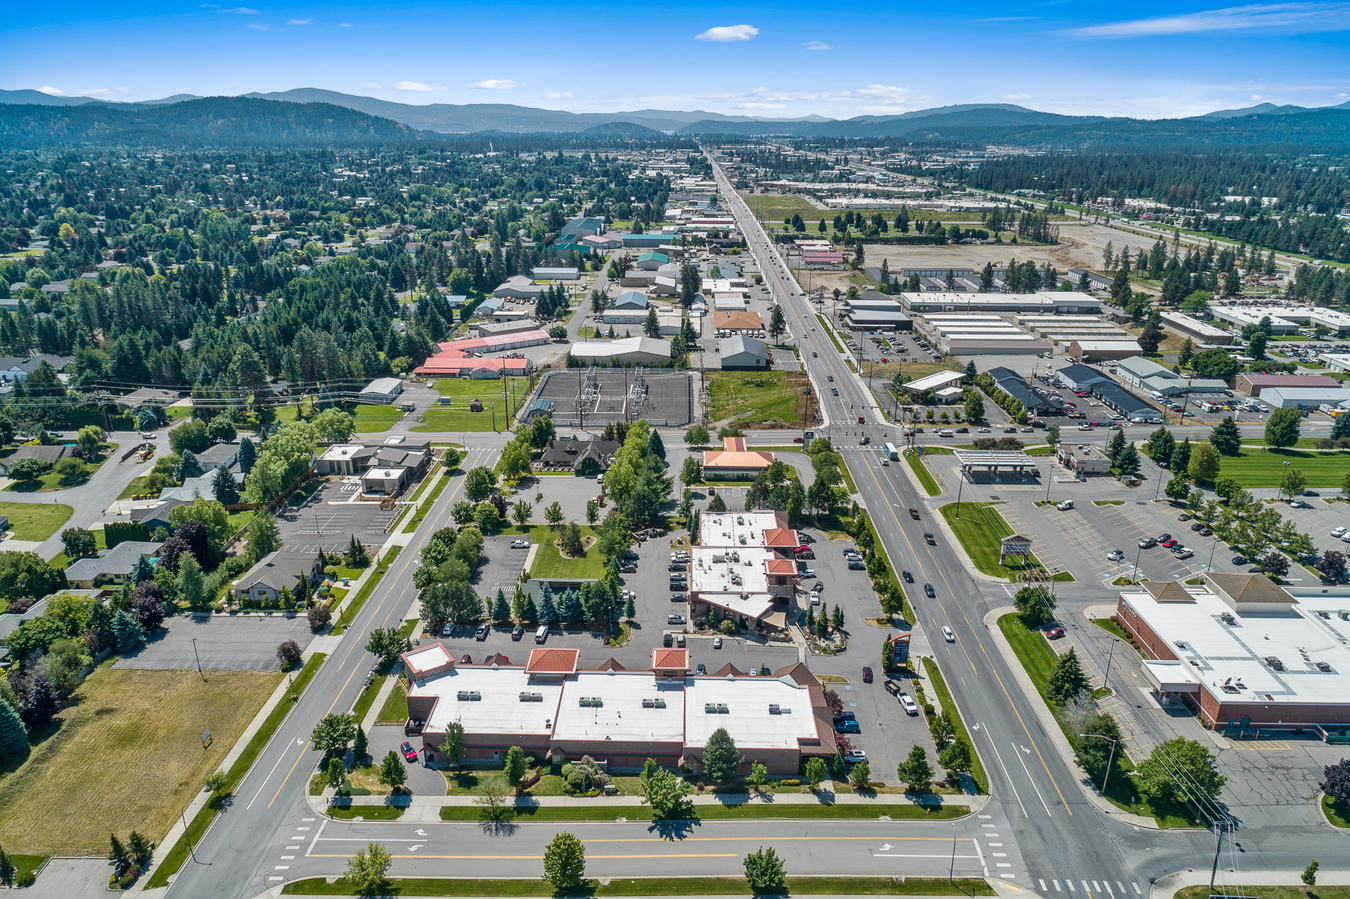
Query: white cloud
<point x="52" y="91"/>
<point x="1287" y="17"/>
<point x="1013" y="98"/>
<point x="758" y="105"/>
<point x="374" y="87"/>
<point x="104" y="91"/>
<point x="259" y="26"/>
<point x="418" y="86"/>
<point x="497" y="84"/>
<point x="346" y="24"/>
<point x="299" y="21"/>
<point x="818" y="45"/>
<point x="557" y="95"/>
<point x="244" y="11"/>
<point x="728" y="33"/>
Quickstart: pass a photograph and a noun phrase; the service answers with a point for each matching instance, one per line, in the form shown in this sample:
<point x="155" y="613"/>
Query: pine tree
<point x="13" y="734"/>
<point x="248" y="454"/>
<point x="1067" y="680"/>
<point x="42" y="701"/>
<point x="501" y="610"/>
<point x="118" y="856"/>
<point x="548" y="612"/>
<point x="1226" y="438"/>
<point x="1115" y="445"/>
<point x="225" y="487"/>
<point x="188" y="466"/>
<point x="129" y="634"/>
<point x="7" y="869"/>
<point x="570" y="609"/>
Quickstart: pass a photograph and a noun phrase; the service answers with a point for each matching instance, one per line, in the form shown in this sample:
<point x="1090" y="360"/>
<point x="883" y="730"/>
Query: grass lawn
<point x="35" y="521"/>
<point x="137" y="735"/>
<point x="1338" y="813"/>
<point x="773" y="209"/>
<point x="1252" y="468"/>
<point x="716" y="812"/>
<point x="926" y="478"/>
<point x="61" y="561"/>
<point x="367" y="812"/>
<point x="834" y="338"/>
<point x="549" y="561"/>
<point x="430" y="501"/>
<point x="369" y="418"/>
<point x="395" y="708"/>
<point x="980" y="528"/>
<point x="749" y="399"/>
<point x="457" y="417"/>
<point x="695" y="885"/>
<point x="135" y="488"/>
<point x="945" y="697"/>
<point x="350" y="609"/>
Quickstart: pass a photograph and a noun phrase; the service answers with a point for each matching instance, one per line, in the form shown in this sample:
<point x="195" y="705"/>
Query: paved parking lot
<point x="223" y="643"/>
<point x="330" y="517"/>
<point x="501" y="567"/>
<point x="422" y="781"/>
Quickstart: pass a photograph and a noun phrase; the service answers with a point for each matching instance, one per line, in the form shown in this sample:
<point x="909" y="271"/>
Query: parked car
<point x="520" y="544"/>
<point x="674" y="619"/>
<point x="908" y="704"/>
<point x="667" y="640"/>
<point x="1115" y="555"/>
<point x="717" y="642"/>
<point x="1184" y="516"/>
<point x="856" y="565"/>
<point x="891" y="687"/>
<point x="466" y="659"/>
<point x="855" y="755"/>
<point x="517" y="632"/>
<point x="482" y="633"/>
<point x="1239" y="560"/>
<point x="447" y="630"/>
<point x="847" y="727"/>
<point x="1147" y="543"/>
<point x="701" y="669"/>
<point x="1054" y="630"/>
<point x="408" y="752"/>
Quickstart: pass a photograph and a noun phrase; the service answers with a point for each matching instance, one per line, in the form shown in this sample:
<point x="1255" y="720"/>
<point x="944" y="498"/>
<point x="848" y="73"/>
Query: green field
<point x="980" y="528"/>
<point x="35" y="521"/>
<point x="748" y="399"/>
<point x="549" y="562"/>
<point x="1254" y="469"/>
<point x="696" y="885"/>
<point x="372" y="418"/>
<point x="457" y="417"/>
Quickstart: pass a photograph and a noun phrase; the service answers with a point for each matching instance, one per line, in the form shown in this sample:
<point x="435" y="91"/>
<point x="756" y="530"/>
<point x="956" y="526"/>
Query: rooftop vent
<point x="1323" y="666"/>
<point x="774" y="709"/>
<point x="468" y="696"/>
<point x="1274" y="663"/>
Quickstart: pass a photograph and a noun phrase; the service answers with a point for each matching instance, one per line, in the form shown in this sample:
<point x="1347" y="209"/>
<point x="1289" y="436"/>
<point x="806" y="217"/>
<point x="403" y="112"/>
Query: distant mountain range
<point x="76" y="119"/>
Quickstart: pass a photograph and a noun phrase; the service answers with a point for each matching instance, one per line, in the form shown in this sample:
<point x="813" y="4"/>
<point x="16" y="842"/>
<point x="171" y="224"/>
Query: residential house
<point x="742" y="352"/>
<point x="49" y="454"/>
<point x="112" y="566"/>
<point x="282" y="568"/>
<point x="584" y="457"/>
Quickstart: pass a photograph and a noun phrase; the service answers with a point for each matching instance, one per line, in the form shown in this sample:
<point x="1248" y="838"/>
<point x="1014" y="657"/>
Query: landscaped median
<point x="711" y="812"/>
<point x="172" y="860"/>
<point x="930" y="484"/>
<point x="944" y="696"/>
<point x="695" y="885"/>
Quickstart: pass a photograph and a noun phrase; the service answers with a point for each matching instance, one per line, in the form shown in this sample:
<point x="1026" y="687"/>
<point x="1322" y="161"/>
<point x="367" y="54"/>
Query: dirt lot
<point x="129" y="755"/>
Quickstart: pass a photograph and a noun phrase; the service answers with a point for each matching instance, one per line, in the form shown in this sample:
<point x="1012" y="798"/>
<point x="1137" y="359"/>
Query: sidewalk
<point x="1052" y="727"/>
<point x="1168" y="885"/>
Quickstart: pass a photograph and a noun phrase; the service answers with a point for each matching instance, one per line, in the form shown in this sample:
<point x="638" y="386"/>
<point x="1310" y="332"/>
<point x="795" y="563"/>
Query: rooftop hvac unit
<point x="1180" y="644"/>
<point x="740" y="519"/>
<point x="774" y="709"/>
<point x="1228" y="618"/>
<point x="660" y="703"/>
<point x="524" y="697"/>
<point x="1343" y="615"/>
<point x="468" y="696"/>
<point x="648" y="703"/>
<point x="1323" y="666"/>
<point x="742" y="539"/>
<point x="536" y="697"/>
<point x="722" y="708"/>
<point x="710" y="708"/>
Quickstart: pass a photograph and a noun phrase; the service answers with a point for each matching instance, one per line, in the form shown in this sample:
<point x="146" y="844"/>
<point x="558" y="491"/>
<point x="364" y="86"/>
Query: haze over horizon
<point x="1150" y="60"/>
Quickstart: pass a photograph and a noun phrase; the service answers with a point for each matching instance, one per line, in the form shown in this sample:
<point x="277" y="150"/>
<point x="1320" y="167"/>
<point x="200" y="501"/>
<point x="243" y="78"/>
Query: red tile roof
<point x="552" y="661"/>
<point x="670" y="659"/>
<point x="780" y="566"/>
<point x="781" y="537"/>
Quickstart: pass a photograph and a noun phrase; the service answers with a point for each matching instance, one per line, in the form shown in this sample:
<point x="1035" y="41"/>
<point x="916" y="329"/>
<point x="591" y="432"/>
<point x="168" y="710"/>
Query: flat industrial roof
<point x="1001" y="458"/>
<point x="1307" y="632"/>
<point x="748" y="718"/>
<point x="935" y="380"/>
<point x="728" y="528"/>
<point x="621" y="715"/>
<point x="498" y="710"/>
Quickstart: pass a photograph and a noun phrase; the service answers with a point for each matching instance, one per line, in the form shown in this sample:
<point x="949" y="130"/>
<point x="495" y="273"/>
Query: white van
<point x="1065" y="505"/>
<point x="541" y="635"/>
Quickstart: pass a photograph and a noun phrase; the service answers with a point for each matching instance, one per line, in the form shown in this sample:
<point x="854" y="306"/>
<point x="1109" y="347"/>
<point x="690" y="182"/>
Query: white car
<point x="1338" y="532"/>
<point x="948" y="635"/>
<point x="908" y="704"/>
<point x="815" y="597"/>
<point x="447" y="630"/>
<point x="717" y="642"/>
<point x="855" y="755"/>
<point x="520" y="544"/>
<point x="1115" y="555"/>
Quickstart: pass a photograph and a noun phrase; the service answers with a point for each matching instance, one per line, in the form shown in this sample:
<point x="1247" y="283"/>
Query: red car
<point x="867" y="675"/>
<point x="408" y="752"/>
<point x="862" y="420"/>
<point x="796" y="440"/>
<point x="1054" y="632"/>
<point x="914" y="513"/>
<point x="884" y="360"/>
<point x="1169" y="543"/>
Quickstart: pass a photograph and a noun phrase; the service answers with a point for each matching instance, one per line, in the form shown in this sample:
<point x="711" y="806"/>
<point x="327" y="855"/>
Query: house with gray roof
<point x="276" y="570"/>
<point x="741" y="352"/>
<point x="112" y="566"/>
<point x="49" y="454"/>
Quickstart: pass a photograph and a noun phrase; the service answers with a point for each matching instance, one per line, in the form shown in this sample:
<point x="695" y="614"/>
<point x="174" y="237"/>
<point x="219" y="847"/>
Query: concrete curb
<point x="1052" y="727"/>
<point x="971" y="570"/>
<point x="1168" y="885"/>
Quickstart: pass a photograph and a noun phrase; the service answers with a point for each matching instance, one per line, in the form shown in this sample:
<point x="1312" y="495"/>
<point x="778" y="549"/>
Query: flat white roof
<point x="715" y="577"/>
<point x="747" y="717"/>
<point x="935" y="380"/>
<point x="1212" y="651"/>
<point x="728" y="528"/>
<point x="620" y="714"/>
<point x="499" y="709"/>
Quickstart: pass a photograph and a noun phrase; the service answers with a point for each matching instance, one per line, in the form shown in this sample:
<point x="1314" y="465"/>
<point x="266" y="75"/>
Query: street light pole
<point x="197" y="657"/>
<point x="951" y="872"/>
<point x="1135" y="576"/>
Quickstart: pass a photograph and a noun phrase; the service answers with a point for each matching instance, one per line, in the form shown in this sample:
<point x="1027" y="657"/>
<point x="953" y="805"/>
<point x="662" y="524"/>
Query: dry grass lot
<point x="129" y="755"/>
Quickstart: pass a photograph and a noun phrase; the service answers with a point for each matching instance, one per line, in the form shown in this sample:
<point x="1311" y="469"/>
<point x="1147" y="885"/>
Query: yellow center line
<point x="345" y="660"/>
<point x="978" y="641"/>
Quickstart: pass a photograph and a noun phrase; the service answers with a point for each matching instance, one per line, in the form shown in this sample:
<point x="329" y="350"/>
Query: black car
<point x="1206" y="532"/>
<point x="1162" y="537"/>
<point x="667" y="640"/>
<point x="928" y="590"/>
<point x="517" y="632"/>
<point x="909" y="578"/>
<point x="628" y="569"/>
<point x="856" y="565"/>
<point x="865" y="441"/>
<point x="1196" y="526"/>
<point x="930" y="539"/>
<point x="675" y="566"/>
<point x="1239" y="560"/>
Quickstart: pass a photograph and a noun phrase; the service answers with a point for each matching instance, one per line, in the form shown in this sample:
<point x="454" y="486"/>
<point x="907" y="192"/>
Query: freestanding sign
<point x="1014" y="545"/>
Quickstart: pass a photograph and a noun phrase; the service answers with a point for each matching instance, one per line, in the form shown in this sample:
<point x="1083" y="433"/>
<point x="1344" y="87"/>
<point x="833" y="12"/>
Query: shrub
<point x="319" y="616"/>
<point x="26" y="879"/>
<point x="288" y="653"/>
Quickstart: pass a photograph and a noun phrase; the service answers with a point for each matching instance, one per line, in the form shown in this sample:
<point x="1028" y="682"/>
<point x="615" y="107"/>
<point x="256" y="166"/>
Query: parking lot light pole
<point x="1135" y="577"/>
<point x="951" y="872"/>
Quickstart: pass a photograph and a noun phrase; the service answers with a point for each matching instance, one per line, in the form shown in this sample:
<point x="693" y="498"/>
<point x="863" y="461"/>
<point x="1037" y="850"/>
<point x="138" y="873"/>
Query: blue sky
<point x="1147" y="59"/>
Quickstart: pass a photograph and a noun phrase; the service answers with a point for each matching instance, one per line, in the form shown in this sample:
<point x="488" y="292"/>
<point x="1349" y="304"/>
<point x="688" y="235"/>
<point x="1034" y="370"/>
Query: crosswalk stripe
<point x="1095" y="887"/>
<point x="1002" y="864"/>
<point x="1085" y="886"/>
<point x="985" y="816"/>
<point x="1121" y="885"/>
<point x="1136" y="888"/>
<point x="1069" y="883"/>
<point x="1043" y="886"/>
<point x="1057" y="888"/>
<point x="1108" y="887"/>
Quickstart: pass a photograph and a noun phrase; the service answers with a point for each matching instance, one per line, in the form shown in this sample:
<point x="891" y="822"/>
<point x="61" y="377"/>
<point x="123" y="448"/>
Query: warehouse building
<point x="741" y="351"/>
<point x="1284" y="319"/>
<point x="1242" y="651"/>
<point x="1304" y="397"/>
<point x="627" y="349"/>
<point x="554" y="710"/>
<point x="1194" y="328"/>
<point x="1079" y="377"/>
<point x="983" y="335"/>
<point x="1103" y="350"/>
<point x="1055" y="301"/>
<point x="1252" y="383"/>
<point x="1033" y="400"/>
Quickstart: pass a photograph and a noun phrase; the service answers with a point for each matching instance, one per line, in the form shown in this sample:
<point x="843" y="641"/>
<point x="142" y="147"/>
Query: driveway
<point x="223" y="643"/>
<point x="422" y="781"/>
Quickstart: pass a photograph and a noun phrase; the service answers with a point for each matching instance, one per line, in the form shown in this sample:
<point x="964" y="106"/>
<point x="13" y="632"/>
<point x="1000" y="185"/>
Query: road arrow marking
<point x="420" y="832"/>
<point x="886" y="847"/>
<point x="1026" y="750"/>
<point x="415" y="848"/>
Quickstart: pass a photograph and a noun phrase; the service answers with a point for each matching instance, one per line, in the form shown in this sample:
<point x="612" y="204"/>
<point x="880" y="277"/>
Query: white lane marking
<point x="288" y="858"/>
<point x="277" y="877"/>
<point x="984" y="816"/>
<point x="1043" y="886"/>
<point x="989" y="825"/>
<point x="1033" y="784"/>
<point x="306" y="819"/>
<point x="1107" y="884"/>
<point x="1009" y="777"/>
<point x="1121" y="885"/>
<point x="304" y="828"/>
<point x="1008" y="876"/>
<point x="1069" y="884"/>
<point x="1057" y="887"/>
<point x="1095" y="887"/>
<point x="1136" y="888"/>
<point x="281" y="757"/>
<point x="999" y="845"/>
<point x="1085" y="887"/>
<point x="282" y="868"/>
<point x="318" y="836"/>
<point x="999" y="854"/>
<point x="1002" y="865"/>
<point x="900" y="855"/>
<point x="983" y="867"/>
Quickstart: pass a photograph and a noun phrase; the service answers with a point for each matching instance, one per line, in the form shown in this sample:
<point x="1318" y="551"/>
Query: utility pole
<point x="1214" y="870"/>
<point x="198" y="658"/>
